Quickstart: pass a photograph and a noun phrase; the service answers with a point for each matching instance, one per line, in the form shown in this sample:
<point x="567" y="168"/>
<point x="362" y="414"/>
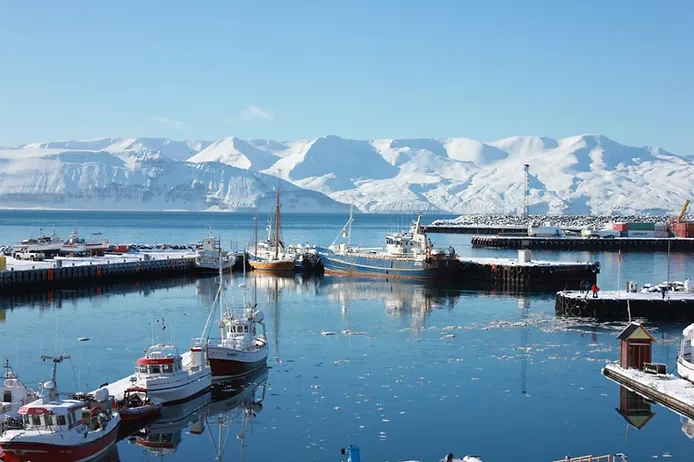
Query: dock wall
<point x="579" y="243"/>
<point x="21" y="280"/>
<point x="607" y="308"/>
<point x="526" y="278"/>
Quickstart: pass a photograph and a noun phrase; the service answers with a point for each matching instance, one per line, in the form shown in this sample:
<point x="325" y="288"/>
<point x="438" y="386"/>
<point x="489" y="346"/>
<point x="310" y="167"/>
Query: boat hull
<point x="229" y="363"/>
<point x="273" y="266"/>
<point x="685" y="369"/>
<point x="390" y="268"/>
<point x="62" y="450"/>
<point x="168" y="394"/>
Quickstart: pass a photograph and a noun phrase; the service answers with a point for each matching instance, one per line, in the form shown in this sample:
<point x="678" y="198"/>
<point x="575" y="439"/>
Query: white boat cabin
<point x="414" y="242"/>
<point x="240" y="331"/>
<point x="159" y="360"/>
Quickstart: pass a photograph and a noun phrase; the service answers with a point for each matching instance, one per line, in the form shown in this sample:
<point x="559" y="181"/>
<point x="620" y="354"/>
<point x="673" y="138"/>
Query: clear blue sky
<point x="359" y="69"/>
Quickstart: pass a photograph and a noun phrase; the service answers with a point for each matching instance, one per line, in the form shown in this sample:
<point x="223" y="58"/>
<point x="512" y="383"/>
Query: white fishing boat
<point x="209" y="255"/>
<point x="685" y="365"/>
<point x="48" y="245"/>
<point x="61" y="430"/>
<point x="169" y="377"/>
<point x="76" y="245"/>
<point x="13" y="394"/>
<point x="242" y="346"/>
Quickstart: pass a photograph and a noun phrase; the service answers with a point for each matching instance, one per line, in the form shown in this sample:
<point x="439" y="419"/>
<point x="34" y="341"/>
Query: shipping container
<point x="608" y="233"/>
<point x="660" y="226"/>
<point x="661" y="234"/>
<point x="543" y="231"/>
<point x="3" y="263"/>
<point x="641" y="233"/>
<point x="620" y="227"/>
<point x="641" y="226"/>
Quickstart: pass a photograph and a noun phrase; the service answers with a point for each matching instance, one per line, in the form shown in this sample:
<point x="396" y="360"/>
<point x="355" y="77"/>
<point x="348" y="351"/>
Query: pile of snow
<point x="574" y="222"/>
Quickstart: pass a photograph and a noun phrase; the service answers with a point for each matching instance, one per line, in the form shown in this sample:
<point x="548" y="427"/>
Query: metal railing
<point x="606" y="458"/>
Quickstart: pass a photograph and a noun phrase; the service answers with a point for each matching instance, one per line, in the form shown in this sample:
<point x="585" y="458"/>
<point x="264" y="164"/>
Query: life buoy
<point x="575" y="310"/>
<point x="594" y="268"/>
<point x="597" y="265"/>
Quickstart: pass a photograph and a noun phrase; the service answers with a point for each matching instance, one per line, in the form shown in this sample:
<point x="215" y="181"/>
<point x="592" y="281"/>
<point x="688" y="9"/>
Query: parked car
<point x="33" y="256"/>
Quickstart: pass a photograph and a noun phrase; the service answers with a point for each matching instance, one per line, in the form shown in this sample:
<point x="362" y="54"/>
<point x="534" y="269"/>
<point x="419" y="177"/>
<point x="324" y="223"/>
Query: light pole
<point x="527" y="189"/>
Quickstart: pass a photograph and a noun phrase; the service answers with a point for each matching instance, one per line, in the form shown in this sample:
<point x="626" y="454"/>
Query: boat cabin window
<point x="154" y="370"/>
<point x="7" y="396"/>
<point x="167" y="368"/>
<point x="70" y="418"/>
<point x="61" y="420"/>
<point x="36" y="420"/>
<point x="245" y="328"/>
<point x="49" y="420"/>
<point x="142" y="369"/>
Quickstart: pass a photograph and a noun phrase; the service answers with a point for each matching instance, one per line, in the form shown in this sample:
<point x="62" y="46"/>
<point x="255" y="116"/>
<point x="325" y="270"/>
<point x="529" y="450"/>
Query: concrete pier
<point x="75" y="272"/>
<point x="670" y="391"/>
<point x="624" y="244"/>
<point x="616" y="305"/>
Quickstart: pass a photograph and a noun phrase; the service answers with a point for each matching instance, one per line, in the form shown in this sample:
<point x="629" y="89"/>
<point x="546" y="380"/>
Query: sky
<point x="359" y="69"/>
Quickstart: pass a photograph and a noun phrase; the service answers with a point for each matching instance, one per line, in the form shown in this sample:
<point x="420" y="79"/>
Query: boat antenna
<point x="52" y="386"/>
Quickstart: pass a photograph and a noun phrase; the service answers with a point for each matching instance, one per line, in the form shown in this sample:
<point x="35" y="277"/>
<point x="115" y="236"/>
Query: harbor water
<point x="405" y="370"/>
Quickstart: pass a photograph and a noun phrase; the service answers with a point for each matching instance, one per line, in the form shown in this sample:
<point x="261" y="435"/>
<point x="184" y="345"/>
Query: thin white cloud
<point x="170" y="122"/>
<point x="254" y="112"/>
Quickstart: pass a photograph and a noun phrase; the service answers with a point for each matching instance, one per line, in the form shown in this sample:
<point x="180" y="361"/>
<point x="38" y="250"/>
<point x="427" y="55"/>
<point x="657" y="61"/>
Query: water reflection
<point x="634" y="408"/>
<point x="229" y="407"/>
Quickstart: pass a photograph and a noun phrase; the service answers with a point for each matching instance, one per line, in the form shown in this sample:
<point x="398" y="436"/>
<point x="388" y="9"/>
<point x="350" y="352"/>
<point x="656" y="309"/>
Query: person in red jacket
<point x="595" y="290"/>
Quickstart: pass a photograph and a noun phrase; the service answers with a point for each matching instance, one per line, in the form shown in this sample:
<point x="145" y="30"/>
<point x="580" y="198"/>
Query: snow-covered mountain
<point x="136" y="175"/>
<point x="586" y="174"/>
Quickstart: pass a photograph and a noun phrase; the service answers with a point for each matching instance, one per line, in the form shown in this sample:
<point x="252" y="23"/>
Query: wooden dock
<point x="616" y="305"/>
<point x="624" y="244"/>
<point x="670" y="391"/>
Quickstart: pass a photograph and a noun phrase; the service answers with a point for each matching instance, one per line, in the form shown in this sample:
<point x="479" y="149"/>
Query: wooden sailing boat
<point x="270" y="255"/>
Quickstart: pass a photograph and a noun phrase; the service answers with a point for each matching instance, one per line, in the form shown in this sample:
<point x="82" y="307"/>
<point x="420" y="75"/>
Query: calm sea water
<point x="426" y="371"/>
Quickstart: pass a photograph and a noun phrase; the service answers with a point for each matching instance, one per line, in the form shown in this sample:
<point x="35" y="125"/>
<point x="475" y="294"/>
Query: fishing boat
<point x="48" y="245"/>
<point x="76" y="245"/>
<point x="407" y="255"/>
<point x="168" y="377"/>
<point x="209" y="255"/>
<point x="61" y="430"/>
<point x="685" y="362"/>
<point x="13" y="394"/>
<point x="271" y="254"/>
<point x="242" y="347"/>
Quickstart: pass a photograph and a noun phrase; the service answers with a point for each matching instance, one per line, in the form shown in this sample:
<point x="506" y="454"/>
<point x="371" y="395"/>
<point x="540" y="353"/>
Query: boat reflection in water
<point x="237" y="405"/>
<point x="229" y="403"/>
<point x="163" y="436"/>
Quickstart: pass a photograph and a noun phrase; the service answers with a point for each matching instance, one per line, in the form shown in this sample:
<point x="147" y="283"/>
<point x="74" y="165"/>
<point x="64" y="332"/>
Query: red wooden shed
<point x="635" y="347"/>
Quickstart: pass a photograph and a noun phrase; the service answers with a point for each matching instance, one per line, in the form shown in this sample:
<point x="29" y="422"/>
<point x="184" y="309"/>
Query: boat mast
<point x="277" y="220"/>
<point x="53" y="388"/>
<point x="349" y="225"/>
<point x="255" y="237"/>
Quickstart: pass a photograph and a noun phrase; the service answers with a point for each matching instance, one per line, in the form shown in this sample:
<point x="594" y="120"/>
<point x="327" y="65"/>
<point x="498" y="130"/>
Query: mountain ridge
<point x="582" y="174"/>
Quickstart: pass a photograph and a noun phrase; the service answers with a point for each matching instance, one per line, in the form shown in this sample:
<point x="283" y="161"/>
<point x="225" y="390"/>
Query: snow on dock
<point x="618" y="305"/>
<point x="652" y="244"/>
<point x="670" y="391"/>
<point x="14" y="264"/>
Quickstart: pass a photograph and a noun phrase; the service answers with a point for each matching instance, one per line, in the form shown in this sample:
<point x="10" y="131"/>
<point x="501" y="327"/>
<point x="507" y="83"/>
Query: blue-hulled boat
<point x="406" y="255"/>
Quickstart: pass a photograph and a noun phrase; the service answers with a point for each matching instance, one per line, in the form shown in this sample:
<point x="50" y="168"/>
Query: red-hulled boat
<point x="57" y="430"/>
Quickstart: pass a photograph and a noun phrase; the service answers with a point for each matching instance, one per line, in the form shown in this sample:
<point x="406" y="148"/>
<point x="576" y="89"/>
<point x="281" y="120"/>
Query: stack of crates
<point x="684" y="229"/>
